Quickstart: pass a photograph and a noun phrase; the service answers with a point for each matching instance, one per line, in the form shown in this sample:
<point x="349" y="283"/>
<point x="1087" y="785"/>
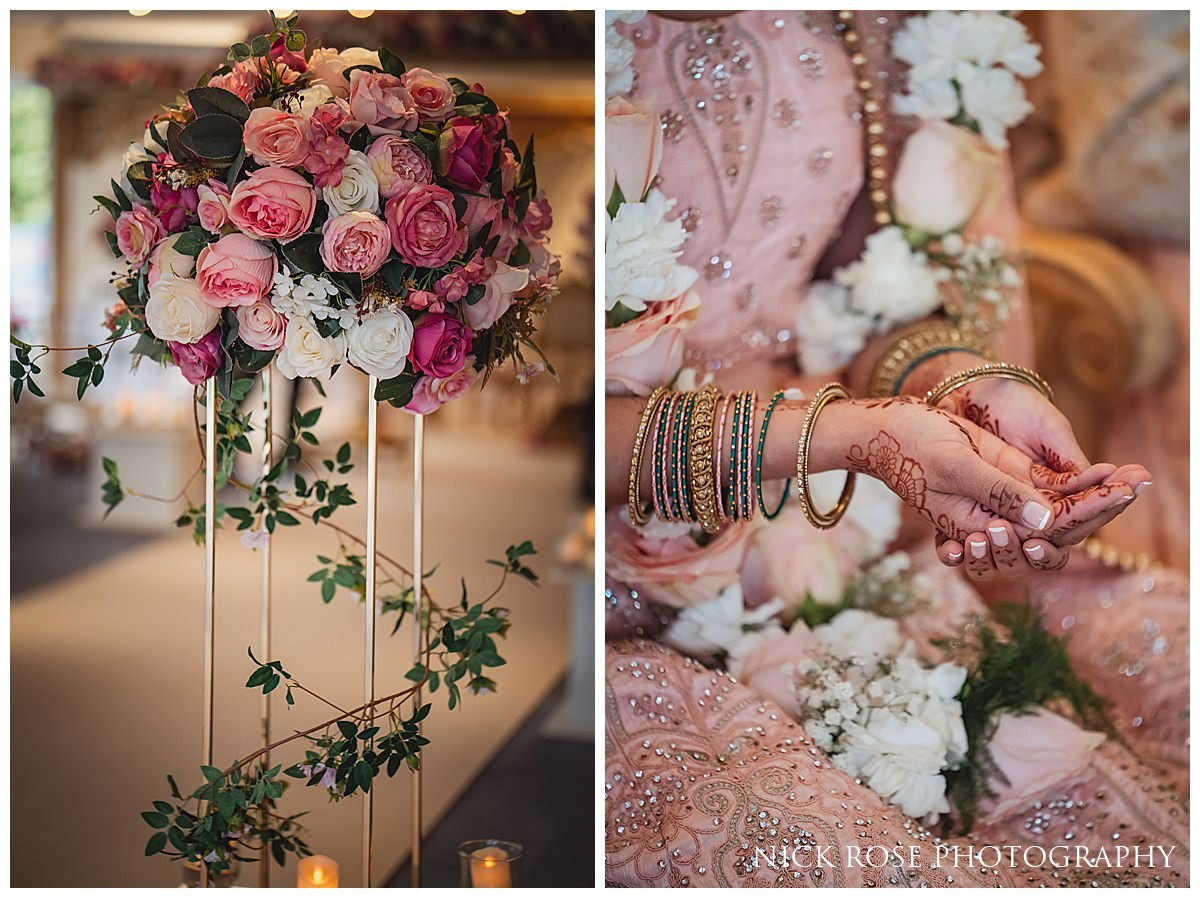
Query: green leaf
<point x="305" y="253"/>
<point x="392" y="64"/>
<point x="398" y="390"/>
<point x="157" y="843"/>
<point x="218" y="101"/>
<point x="215" y="136"/>
<point x="211" y="774"/>
<point x="156" y="819"/>
<point x="361" y="139"/>
<point x="615" y="201"/>
<point x="295" y="41"/>
<point x="191" y="241"/>
<point x="261" y="45"/>
<point x="348" y="729"/>
<point x="113" y="208"/>
<point x="226" y="805"/>
<point x="239" y="52"/>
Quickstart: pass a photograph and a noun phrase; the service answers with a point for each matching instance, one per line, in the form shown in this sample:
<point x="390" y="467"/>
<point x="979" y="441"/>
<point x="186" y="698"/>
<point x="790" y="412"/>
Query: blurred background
<point x="106" y="618"/>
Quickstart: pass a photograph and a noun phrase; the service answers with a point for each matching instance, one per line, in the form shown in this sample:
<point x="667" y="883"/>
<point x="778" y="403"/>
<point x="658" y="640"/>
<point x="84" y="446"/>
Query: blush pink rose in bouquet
<point x="424" y="228"/>
<point x="648" y="351"/>
<point x="440" y="345"/>
<point x="212" y="206"/>
<point x="770" y="669"/>
<point x="382" y="101"/>
<point x="275" y="137"/>
<point x="633" y="147"/>
<point x="431" y="393"/>
<point x="397" y="165"/>
<point x="464" y="153"/>
<point x="137" y="233"/>
<point x="503" y="283"/>
<point x="273" y="204"/>
<point x="790" y="559"/>
<point x="483" y="211"/>
<point x="235" y="271"/>
<point x="357" y="242"/>
<point x="200" y="360"/>
<point x="431" y="94"/>
<point x="239" y="80"/>
<point x="260" y="326"/>
<point x="328" y="66"/>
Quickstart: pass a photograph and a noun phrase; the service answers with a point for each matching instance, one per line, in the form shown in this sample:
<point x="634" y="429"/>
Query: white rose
<point x="358" y="190"/>
<point x="312" y="97"/>
<point x="858" y="634"/>
<point x="996" y="100"/>
<point x="890" y="281"/>
<point x="641" y="249"/>
<point x="176" y="313"/>
<point x="305" y="353"/>
<point x="720" y="625"/>
<point x="875" y="511"/>
<point x="946" y="176"/>
<point x="135" y="154"/>
<point x="379" y="344"/>
<point x="828" y="332"/>
<point x="498" y="294"/>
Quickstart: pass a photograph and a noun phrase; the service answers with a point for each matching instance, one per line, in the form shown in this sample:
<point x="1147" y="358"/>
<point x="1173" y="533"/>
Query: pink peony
<point x="356" y="242"/>
<point x="260" y="326"/>
<point x="212" y="205"/>
<point x="397" y="165"/>
<point x="431" y="393"/>
<point x="440" y="345"/>
<point x="424" y="228"/>
<point x="240" y="80"/>
<point x="275" y="137"/>
<point x="769" y="670"/>
<point x="464" y="153"/>
<point x="235" y="271"/>
<point x="381" y="100"/>
<point x="648" y="351"/>
<point x="137" y="233"/>
<point x="431" y="94"/>
<point x="200" y="360"/>
<point x="274" y="204"/>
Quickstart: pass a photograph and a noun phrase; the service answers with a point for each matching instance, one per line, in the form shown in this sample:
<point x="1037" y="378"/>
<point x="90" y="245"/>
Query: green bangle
<point x="925" y="357"/>
<point x="659" y="461"/>
<point x="758" y="460"/>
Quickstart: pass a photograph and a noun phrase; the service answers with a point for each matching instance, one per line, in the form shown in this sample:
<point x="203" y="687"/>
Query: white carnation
<point x="618" y="53"/>
<point x="828" y="332"/>
<point x="890" y="282"/>
<point x="641" y="249"/>
<point x="358" y="190"/>
<point x="996" y="100"/>
<point x="860" y="636"/>
<point x="900" y="758"/>
<point x="305" y="353"/>
<point x="720" y="625"/>
<point x="379" y="344"/>
<point x="176" y="313"/>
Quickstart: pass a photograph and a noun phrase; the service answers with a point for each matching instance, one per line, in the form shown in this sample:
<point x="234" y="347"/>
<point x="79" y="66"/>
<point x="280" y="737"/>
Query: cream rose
<point x="176" y="313"/>
<point x="946" y="176"/>
<point x="260" y="326"/>
<point x="305" y="353"/>
<point x="379" y="344"/>
<point x="358" y="190"/>
<point x="633" y="147"/>
<point x="165" y="261"/>
<point x="327" y="66"/>
<point x="498" y="294"/>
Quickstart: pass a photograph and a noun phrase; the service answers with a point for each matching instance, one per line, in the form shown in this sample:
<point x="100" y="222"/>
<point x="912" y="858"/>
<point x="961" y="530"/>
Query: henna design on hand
<point x="902" y="474"/>
<point x="978" y="414"/>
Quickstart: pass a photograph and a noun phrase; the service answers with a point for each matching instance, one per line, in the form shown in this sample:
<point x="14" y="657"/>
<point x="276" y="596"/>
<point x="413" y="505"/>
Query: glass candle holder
<point x="489" y="864"/>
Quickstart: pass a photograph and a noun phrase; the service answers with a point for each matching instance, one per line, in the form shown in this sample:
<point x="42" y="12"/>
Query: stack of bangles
<point x="706" y="458"/>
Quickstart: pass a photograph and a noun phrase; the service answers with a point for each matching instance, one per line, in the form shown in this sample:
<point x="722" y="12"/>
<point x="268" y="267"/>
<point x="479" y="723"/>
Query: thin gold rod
<point x="418" y="620"/>
<point x="369" y="605"/>
<point x="210" y="578"/>
<point x="264" y="633"/>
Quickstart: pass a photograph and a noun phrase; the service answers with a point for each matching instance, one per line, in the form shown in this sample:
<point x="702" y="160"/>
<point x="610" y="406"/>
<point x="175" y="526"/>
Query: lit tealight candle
<point x="489" y="868"/>
<point x="317" y="872"/>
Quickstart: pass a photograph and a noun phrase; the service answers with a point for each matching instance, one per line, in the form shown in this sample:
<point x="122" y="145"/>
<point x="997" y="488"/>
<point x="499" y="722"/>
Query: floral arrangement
<point x="310" y="208"/>
<point x="313" y="207"/>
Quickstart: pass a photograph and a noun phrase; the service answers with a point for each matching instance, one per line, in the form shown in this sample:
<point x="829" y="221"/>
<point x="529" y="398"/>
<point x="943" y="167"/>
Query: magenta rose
<point x="235" y="271"/>
<point x="397" y="164"/>
<point x="464" y="153"/>
<point x="137" y="233"/>
<point x="440" y="345"/>
<point x="260" y="326"/>
<point x="424" y="228"/>
<point x="381" y="100"/>
<point x="431" y="393"/>
<point x="431" y="94"/>
<point x="290" y="58"/>
<point x="200" y="360"/>
<point x="273" y="204"/>
<point x="357" y="242"/>
<point x="275" y="137"/>
<point x="212" y="205"/>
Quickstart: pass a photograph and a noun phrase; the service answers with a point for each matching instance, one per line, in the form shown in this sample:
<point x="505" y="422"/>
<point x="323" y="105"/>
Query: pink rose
<point x="1036" y="753"/>
<point x="503" y="283"/>
<point x="538" y="220"/>
<point x="431" y="393"/>
<point x="483" y="210"/>
<point x="381" y="100"/>
<point x="200" y="360"/>
<point x="260" y="326"/>
<point x="509" y="169"/>
<point x="440" y="345"/>
<point x="424" y="228"/>
<point x="431" y="94"/>
<point x="137" y="233"/>
<point x="327" y="66"/>
<point x="765" y="669"/>
<point x="791" y="559"/>
<point x="357" y="242"/>
<point x="274" y="204"/>
<point x="240" y="80"/>
<point x="235" y="271"/>
<point x="464" y="153"/>
<point x="453" y="285"/>
<point x="292" y="59"/>
<point x="166" y="262"/>
<point x="397" y="165"/>
<point x="648" y="351"/>
<point x="633" y="147"/>
<point x="673" y="570"/>
<point x="212" y="205"/>
<point x="275" y="137"/>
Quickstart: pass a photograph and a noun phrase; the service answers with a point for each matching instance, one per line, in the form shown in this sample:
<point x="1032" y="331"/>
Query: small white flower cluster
<point x="889" y="285"/>
<point x="880" y="714"/>
<point x="311" y="296"/>
<point x="888" y="587"/>
<point x="641" y="252"/>
<point x="965" y="68"/>
<point x="985" y="275"/>
<point x="618" y="53"/>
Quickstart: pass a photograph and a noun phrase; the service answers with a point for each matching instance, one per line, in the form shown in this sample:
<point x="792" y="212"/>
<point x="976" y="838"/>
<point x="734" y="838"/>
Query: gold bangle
<point x="636" y="515"/>
<point x="819" y="519"/>
<point x="948" y="385"/>
<point x="916" y="343"/>
<point x="700" y="459"/>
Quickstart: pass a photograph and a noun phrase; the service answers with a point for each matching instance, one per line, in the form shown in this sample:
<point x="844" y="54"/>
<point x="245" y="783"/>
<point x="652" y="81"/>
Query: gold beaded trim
<point x="819" y="519"/>
<point x="873" y="114"/>
<point x="948" y="385"/>
<point x="636" y="515"/>
<point x="915" y="343"/>
<point x="700" y="460"/>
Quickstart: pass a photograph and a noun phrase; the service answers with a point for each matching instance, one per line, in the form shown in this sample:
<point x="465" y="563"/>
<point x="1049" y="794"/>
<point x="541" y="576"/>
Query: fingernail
<point x="1035" y="515"/>
<point x="999" y="536"/>
<point x="1037" y="553"/>
<point x="1124" y="499"/>
<point x="954" y="556"/>
<point x="1137" y="490"/>
<point x="978" y="549"/>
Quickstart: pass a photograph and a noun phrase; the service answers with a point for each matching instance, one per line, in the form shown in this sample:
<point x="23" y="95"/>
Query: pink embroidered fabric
<point x="763" y="153"/>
